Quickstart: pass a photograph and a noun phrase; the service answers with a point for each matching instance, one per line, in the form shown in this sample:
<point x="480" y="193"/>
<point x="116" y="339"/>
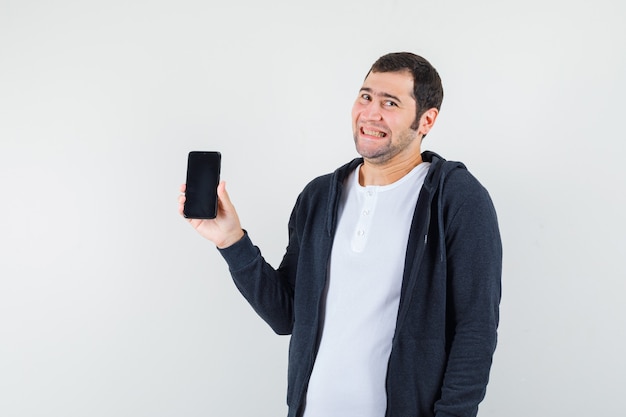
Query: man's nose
<point x="371" y="112"/>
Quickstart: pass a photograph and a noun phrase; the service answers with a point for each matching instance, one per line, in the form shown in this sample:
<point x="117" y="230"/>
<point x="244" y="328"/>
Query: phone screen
<point x="203" y="176"/>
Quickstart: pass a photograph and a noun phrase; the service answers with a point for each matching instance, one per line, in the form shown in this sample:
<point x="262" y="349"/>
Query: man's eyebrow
<point x="387" y="95"/>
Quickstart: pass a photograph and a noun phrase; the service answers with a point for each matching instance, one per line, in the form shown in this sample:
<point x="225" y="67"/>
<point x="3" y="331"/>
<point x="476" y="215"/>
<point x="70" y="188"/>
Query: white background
<point x="111" y="305"/>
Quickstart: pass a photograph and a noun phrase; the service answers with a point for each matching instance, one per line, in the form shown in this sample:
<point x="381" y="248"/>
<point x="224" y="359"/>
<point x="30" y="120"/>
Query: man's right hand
<point x="223" y="230"/>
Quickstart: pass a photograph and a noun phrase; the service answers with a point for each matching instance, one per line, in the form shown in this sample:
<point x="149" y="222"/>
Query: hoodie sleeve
<point x="269" y="291"/>
<point x="474" y="268"/>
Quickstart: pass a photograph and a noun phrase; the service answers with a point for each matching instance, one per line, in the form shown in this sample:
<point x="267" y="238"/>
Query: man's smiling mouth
<point x="374" y="133"/>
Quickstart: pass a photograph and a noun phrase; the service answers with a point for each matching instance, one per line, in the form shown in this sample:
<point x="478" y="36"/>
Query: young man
<point x="390" y="285"/>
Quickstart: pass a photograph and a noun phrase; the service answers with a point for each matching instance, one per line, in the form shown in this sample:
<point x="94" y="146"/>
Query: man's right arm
<point x="269" y="291"/>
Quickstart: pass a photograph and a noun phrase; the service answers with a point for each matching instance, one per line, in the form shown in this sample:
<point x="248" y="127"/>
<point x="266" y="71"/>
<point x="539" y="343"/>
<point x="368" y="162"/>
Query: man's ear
<point x="427" y="120"/>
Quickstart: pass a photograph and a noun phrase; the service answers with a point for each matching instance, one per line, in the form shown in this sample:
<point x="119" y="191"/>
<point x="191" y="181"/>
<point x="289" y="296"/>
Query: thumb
<point x="223" y="197"/>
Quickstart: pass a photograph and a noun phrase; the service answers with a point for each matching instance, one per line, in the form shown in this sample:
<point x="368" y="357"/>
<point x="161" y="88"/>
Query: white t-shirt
<point x="363" y="293"/>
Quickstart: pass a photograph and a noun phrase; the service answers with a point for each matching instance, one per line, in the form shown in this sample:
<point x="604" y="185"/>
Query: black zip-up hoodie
<point x="445" y="332"/>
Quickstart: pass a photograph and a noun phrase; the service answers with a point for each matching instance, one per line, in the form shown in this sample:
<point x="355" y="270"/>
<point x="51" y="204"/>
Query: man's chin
<point x="374" y="158"/>
<point x="369" y="148"/>
<point x="371" y="153"/>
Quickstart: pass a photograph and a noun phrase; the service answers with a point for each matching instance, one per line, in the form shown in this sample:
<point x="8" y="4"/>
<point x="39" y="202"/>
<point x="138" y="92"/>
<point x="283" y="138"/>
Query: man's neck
<point x="389" y="172"/>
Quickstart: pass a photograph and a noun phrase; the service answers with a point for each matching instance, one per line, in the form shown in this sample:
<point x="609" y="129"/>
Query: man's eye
<point x="366" y="97"/>
<point x="390" y="103"/>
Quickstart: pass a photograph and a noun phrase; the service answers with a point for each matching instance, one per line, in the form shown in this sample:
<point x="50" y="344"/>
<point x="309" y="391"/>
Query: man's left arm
<point x="474" y="269"/>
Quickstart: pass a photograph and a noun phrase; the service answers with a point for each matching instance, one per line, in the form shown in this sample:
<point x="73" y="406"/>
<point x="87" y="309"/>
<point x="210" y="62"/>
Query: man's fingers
<point x="181" y="200"/>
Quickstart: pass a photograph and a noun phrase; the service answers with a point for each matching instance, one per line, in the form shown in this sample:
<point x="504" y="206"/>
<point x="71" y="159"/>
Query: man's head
<point x="396" y="107"/>
<point x="427" y="88"/>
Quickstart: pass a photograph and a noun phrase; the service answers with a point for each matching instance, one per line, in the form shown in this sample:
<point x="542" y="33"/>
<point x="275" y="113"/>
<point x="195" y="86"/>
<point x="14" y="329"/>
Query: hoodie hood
<point x="437" y="173"/>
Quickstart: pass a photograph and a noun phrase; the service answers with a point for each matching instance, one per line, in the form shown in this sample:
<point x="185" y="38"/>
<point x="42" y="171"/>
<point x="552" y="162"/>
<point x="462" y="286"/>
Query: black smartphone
<point x="203" y="176"/>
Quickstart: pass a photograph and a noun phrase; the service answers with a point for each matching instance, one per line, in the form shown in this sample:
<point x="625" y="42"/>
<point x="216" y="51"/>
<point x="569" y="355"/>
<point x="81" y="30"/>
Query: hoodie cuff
<point x="240" y="254"/>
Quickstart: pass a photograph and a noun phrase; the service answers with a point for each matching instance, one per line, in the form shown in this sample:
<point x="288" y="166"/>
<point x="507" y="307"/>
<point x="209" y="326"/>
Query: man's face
<point x="382" y="116"/>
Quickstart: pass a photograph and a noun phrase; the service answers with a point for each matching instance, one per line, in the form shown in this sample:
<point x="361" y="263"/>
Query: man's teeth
<point x="374" y="133"/>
